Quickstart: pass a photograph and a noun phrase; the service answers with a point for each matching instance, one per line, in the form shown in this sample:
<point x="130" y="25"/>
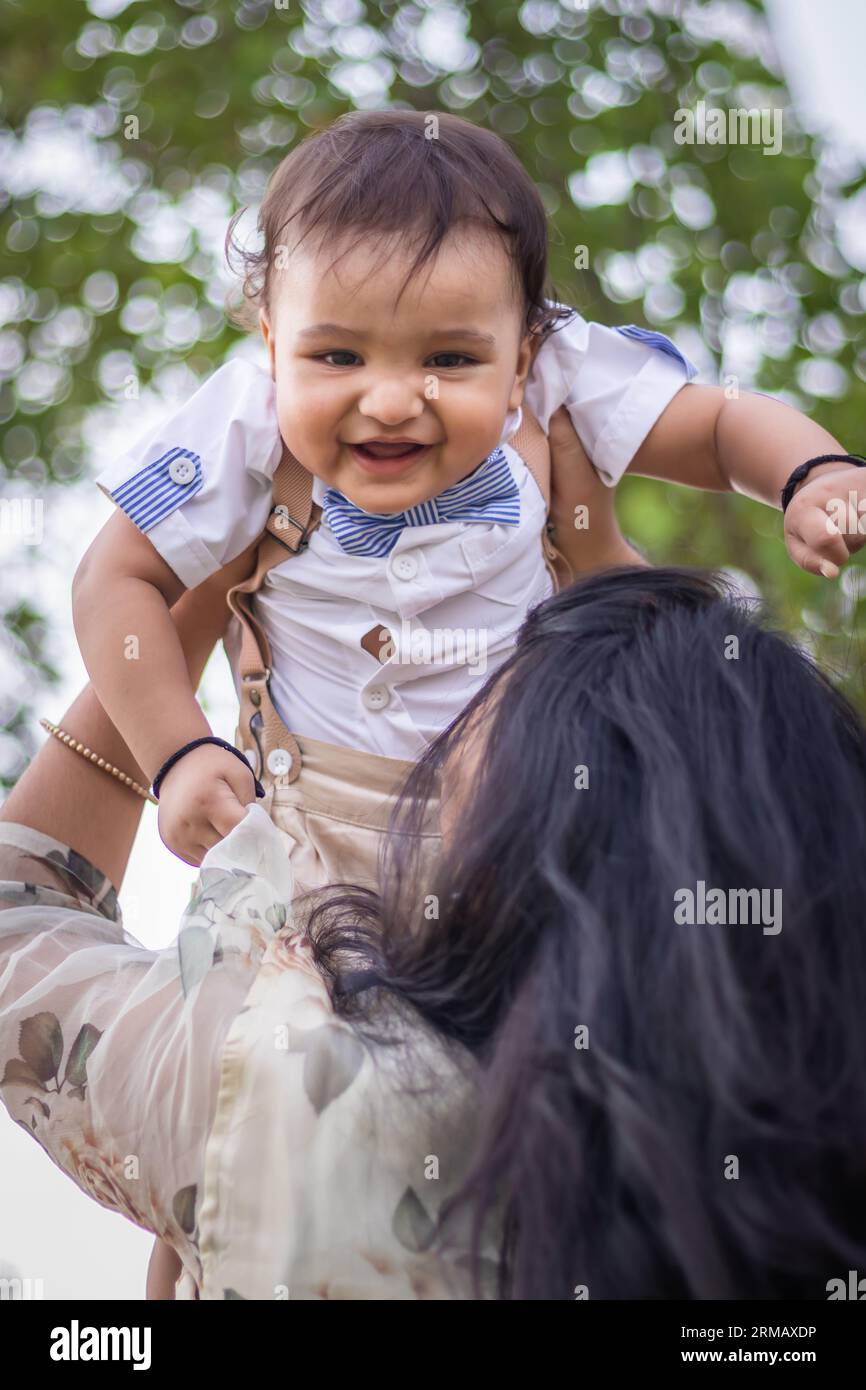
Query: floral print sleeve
<point x="209" y="1092"/>
<point x="109" y="1052"/>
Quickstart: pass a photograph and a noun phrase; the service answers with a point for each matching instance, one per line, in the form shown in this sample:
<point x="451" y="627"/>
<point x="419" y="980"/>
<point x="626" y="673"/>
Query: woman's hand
<point x="589" y="539"/>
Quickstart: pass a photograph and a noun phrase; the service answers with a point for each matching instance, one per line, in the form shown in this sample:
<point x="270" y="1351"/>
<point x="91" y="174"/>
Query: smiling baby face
<point x="391" y="398"/>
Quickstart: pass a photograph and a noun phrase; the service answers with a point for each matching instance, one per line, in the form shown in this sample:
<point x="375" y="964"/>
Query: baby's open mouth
<point x="373" y="449"/>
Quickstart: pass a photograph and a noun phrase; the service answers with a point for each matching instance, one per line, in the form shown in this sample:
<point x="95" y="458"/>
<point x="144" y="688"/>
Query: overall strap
<point x="261" y="734"/>
<point x="292" y="504"/>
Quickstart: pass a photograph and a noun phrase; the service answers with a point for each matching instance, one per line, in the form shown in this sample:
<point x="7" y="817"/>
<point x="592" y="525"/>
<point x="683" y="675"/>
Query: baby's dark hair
<point x="380" y="172"/>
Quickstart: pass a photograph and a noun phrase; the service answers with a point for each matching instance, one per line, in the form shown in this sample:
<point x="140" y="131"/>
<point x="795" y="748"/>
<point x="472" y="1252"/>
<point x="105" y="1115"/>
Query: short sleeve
<point x="614" y="382"/>
<point x="199" y="484"/>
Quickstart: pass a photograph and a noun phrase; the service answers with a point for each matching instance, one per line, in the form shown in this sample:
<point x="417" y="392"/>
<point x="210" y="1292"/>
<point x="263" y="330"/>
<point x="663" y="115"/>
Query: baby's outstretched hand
<point x="201" y="798"/>
<point x="825" y="521"/>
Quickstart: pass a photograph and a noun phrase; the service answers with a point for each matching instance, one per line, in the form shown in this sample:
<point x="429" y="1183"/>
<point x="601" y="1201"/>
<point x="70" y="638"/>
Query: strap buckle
<point x="293" y="521"/>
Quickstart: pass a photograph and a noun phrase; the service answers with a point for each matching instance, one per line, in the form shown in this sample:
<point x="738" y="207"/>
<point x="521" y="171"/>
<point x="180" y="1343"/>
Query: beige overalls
<point x="334" y="802"/>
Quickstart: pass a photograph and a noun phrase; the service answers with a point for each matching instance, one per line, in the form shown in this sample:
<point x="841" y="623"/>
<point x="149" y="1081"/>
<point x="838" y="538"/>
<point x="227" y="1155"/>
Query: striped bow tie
<point x="488" y="494"/>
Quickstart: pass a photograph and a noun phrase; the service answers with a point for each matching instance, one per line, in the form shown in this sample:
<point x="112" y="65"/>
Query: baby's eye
<point x="460" y="356"/>
<point x="338" y="352"/>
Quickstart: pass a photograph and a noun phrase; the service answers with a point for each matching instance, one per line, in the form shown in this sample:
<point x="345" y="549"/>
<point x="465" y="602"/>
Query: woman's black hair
<point x="669" y="1108"/>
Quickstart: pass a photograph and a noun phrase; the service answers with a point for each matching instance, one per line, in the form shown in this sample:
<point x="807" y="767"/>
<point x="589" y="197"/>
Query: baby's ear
<point x="525" y="355"/>
<point x="268" y="336"/>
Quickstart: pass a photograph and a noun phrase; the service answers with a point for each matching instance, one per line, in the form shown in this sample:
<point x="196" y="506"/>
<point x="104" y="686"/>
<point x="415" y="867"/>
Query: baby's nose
<point x="393" y="400"/>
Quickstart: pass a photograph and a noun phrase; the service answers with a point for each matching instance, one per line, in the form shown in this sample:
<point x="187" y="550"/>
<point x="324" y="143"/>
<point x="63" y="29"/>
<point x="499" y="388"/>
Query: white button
<point x="404" y="566"/>
<point x="376" y="697"/>
<point x="181" y="470"/>
<point x="279" y="761"/>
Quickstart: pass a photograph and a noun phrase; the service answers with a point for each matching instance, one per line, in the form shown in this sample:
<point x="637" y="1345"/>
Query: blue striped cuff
<point x="159" y="488"/>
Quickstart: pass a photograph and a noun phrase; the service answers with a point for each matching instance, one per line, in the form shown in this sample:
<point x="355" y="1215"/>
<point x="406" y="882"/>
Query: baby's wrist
<point x="806" y="472"/>
<point x="185" y="750"/>
<point x="164" y="745"/>
<point x="818" y="471"/>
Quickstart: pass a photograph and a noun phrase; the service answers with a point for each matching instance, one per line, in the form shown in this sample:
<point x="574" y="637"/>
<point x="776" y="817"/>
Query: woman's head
<point x="400" y="287"/>
<point x="672" y="1102"/>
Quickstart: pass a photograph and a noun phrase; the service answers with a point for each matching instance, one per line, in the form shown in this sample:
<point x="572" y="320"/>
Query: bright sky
<point x="48" y="1229"/>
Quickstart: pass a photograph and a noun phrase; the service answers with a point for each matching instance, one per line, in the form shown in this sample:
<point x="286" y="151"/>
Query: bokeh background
<point x="132" y="130"/>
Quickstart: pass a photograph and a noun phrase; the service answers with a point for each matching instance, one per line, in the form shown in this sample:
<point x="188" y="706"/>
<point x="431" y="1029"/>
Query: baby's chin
<point x="388" y="492"/>
<point x="386" y="499"/>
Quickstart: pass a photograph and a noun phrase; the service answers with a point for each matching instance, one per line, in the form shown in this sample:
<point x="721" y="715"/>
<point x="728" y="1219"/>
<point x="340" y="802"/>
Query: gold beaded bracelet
<point x="92" y="757"/>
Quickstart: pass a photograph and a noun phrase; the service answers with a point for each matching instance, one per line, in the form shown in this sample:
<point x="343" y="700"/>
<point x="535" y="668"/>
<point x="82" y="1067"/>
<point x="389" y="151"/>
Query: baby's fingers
<point x="229" y="805"/>
<point x="189" y="849"/>
<point x="815" y="543"/>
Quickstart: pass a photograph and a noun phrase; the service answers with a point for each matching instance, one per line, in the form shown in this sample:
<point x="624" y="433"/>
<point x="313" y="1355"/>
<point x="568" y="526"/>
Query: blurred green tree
<point x="162" y="119"/>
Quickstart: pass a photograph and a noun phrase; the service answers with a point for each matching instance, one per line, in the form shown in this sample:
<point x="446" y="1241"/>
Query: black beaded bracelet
<point x="805" y="468"/>
<point x="187" y="748"/>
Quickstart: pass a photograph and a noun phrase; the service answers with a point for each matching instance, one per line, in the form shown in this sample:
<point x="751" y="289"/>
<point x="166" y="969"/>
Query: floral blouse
<point x="209" y="1092"/>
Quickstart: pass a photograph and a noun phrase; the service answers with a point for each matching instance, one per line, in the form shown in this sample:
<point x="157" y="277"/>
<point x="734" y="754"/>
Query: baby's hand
<point x="826" y="519"/>
<point x="201" y="799"/>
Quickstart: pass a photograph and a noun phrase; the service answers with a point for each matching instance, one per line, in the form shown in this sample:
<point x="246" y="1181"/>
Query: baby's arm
<point x="121" y="599"/>
<point x="192" y="500"/>
<point x="752" y="444"/>
<point x="631" y="398"/>
<point x="121" y="596"/>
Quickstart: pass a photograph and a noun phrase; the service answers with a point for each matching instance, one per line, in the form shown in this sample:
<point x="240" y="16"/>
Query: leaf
<point x="333" y="1060"/>
<point x="195" y="947"/>
<point x="78" y="871"/>
<point x="233" y="1293"/>
<point x="411" y="1224"/>
<point x="76" y="1062"/>
<point x="40" y="1042"/>
<point x="16" y="1070"/>
<point x="209" y="878"/>
<point x="183" y="1206"/>
<point x="276" y="915"/>
<point x="193" y="905"/>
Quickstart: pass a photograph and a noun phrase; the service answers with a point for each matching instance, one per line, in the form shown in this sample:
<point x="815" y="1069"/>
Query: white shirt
<point x="453" y="595"/>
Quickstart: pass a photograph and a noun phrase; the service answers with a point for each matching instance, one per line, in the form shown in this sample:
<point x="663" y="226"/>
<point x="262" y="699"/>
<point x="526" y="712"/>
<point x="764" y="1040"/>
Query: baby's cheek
<point x="477" y="414"/>
<point x="300" y="421"/>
